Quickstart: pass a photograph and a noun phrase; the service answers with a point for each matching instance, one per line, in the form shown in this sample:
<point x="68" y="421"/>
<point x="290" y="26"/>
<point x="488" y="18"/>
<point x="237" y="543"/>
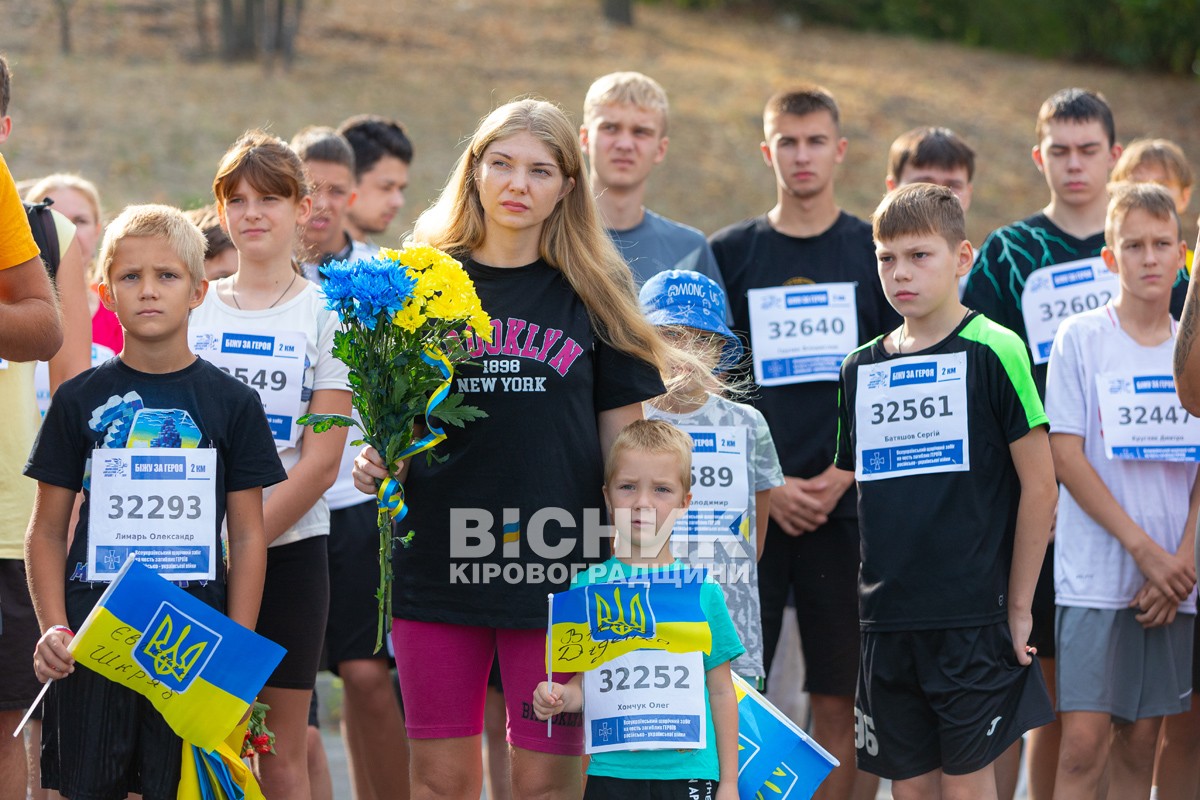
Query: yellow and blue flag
<point x="199" y="668"/>
<point x="597" y="622"/>
<point x="776" y="760"/>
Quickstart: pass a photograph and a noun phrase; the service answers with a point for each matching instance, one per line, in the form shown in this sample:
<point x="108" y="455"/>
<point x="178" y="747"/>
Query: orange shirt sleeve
<point x="16" y="240"/>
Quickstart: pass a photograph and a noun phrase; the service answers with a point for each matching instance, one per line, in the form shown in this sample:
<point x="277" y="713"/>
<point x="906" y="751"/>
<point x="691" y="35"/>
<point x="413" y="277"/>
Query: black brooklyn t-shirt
<point x="501" y="520"/>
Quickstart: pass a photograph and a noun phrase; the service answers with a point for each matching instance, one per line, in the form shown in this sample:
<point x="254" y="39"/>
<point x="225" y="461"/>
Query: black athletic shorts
<point x="951" y="699"/>
<point x="101" y="740"/>
<point x="820" y="568"/>
<point x="353" y="580"/>
<point x="314" y="711"/>
<point x="294" y="608"/>
<point x="1041" y="635"/>
<point x="600" y="787"/>
<point x="19" y="634"/>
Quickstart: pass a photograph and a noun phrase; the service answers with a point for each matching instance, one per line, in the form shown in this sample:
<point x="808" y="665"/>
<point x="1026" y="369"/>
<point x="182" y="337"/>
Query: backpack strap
<point x="45" y="233"/>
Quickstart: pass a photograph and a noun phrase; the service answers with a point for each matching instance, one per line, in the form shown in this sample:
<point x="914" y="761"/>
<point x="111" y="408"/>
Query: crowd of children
<point x="968" y="472"/>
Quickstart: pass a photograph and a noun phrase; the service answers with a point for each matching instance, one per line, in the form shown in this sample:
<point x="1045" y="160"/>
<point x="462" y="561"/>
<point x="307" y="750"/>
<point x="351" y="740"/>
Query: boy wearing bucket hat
<point x="735" y="464"/>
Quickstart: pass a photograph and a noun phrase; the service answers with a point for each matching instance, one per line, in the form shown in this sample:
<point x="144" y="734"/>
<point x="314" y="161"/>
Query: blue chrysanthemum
<point x="379" y="288"/>
<point x="339" y="289"/>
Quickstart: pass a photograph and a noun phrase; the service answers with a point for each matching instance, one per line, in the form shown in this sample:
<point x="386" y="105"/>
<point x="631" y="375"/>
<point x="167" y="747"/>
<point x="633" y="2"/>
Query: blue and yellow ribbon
<point x="391" y="494"/>
<point x="433" y="358"/>
<point x="391" y="498"/>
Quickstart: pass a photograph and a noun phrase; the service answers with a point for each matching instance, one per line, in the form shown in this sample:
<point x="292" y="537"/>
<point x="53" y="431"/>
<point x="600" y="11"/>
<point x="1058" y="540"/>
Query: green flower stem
<point x="370" y="356"/>
<point x="384" y="594"/>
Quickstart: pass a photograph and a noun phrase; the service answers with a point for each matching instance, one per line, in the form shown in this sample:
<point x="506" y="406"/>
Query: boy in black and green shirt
<point x="942" y="425"/>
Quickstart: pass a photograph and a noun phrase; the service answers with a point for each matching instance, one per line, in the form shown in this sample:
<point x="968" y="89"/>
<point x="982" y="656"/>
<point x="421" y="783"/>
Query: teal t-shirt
<point x="670" y="764"/>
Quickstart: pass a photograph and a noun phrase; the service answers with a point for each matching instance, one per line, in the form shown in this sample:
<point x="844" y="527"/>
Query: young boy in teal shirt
<point x="647" y="483"/>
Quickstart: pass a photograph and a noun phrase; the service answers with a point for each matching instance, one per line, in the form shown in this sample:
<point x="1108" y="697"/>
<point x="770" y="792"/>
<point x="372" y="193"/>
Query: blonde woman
<point x="570" y="362"/>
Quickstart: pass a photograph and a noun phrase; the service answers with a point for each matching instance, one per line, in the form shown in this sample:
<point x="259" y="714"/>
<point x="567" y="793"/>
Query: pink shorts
<point x="443" y="679"/>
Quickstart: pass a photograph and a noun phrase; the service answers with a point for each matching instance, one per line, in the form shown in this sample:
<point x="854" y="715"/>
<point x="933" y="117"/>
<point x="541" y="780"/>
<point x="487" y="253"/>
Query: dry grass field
<point x="135" y="110"/>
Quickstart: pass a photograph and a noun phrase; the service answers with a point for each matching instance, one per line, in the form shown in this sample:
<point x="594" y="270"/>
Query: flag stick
<point x="29" y="713"/>
<point x="108" y="590"/>
<point x="549" y="644"/>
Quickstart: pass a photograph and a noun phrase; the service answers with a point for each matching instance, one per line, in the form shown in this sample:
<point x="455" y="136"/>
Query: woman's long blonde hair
<point x="573" y="240"/>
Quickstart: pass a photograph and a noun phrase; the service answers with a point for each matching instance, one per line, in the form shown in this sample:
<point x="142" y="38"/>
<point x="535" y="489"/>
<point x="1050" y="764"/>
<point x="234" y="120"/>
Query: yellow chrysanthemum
<point x="410" y="317"/>
<point x="421" y="257"/>
<point x="481" y="324"/>
<point x="443" y="291"/>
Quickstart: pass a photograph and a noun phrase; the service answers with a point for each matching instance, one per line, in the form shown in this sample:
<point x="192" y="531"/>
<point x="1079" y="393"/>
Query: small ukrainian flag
<point x="199" y="668"/>
<point x="595" y="623"/>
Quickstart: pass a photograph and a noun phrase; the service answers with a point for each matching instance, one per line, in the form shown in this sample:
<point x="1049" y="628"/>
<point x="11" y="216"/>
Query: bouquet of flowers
<point x="258" y="738"/>
<point x="401" y="312"/>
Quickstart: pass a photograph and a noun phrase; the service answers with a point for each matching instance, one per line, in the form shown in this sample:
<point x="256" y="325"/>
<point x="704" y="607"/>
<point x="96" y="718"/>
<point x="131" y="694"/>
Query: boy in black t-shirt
<point x="803" y="293"/>
<point x="168" y="407"/>
<point x="944" y="430"/>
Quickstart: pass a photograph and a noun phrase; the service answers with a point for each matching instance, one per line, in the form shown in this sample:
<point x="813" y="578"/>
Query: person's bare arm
<point x="723" y="702"/>
<point x="314" y="473"/>
<point x="75" y="355"/>
<point x="30" y="328"/>
<point x="45" y="566"/>
<point x="1187" y="354"/>
<point x="613" y="421"/>
<point x="247" y="555"/>
<point x="762" y="519"/>
<point x="1166" y="571"/>
<point x="1035" y="512"/>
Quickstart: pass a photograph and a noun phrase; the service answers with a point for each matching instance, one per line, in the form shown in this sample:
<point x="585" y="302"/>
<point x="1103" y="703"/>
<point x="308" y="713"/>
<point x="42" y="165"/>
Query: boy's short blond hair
<point x="918" y="209"/>
<point x="166" y="222"/>
<point x="652" y="436"/>
<point x="1157" y="152"/>
<point x="1126" y="196"/>
<point x="626" y="89"/>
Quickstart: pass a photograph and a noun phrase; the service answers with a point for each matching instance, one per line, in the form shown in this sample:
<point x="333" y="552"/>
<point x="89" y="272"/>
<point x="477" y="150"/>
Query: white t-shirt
<point x="1091" y="568"/>
<point x="343" y="494"/>
<point x="736" y="571"/>
<point x="307" y="314"/>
